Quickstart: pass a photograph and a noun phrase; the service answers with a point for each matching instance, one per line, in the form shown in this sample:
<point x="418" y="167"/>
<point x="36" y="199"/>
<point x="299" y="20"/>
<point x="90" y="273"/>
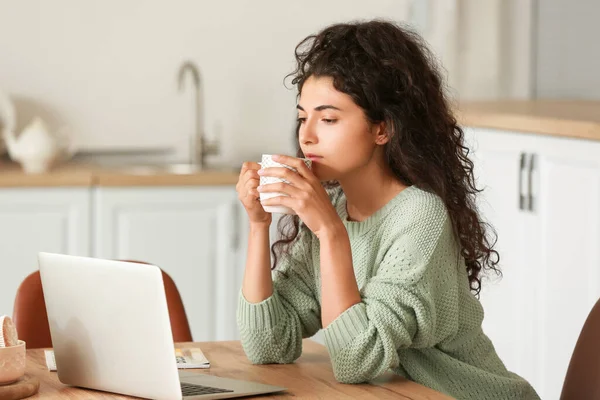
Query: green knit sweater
<point x="418" y="317"/>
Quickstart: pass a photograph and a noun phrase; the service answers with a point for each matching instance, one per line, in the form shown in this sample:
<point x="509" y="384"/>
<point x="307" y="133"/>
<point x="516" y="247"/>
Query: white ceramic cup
<point x="267" y="162"/>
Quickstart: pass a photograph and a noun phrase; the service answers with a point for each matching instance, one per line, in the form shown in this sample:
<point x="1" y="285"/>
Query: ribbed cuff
<point x="260" y="316"/>
<point x="345" y="328"/>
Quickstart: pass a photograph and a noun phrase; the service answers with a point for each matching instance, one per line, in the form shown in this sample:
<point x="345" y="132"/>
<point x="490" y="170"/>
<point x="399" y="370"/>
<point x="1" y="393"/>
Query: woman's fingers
<point x="250" y="165"/>
<point x="294" y="162"/>
<point x="280" y="187"/>
<point x="279" y="201"/>
<point x="251" y="174"/>
<point x="284" y="173"/>
<point x="247" y="175"/>
<point x="252" y="183"/>
<point x="251" y="186"/>
<point x="248" y="169"/>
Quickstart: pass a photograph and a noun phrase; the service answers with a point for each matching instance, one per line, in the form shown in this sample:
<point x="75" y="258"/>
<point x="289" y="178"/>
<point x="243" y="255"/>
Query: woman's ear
<point x="381" y="134"/>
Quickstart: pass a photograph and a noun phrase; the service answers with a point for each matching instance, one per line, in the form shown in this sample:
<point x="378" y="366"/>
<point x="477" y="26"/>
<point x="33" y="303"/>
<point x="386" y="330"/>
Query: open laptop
<point x="110" y="330"/>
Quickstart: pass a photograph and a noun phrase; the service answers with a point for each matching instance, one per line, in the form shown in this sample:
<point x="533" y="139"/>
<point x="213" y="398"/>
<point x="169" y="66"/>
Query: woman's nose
<point x="308" y="134"/>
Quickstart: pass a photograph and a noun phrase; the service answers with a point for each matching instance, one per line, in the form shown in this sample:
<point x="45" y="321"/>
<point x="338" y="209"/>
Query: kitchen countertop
<point x="70" y="175"/>
<point x="567" y="118"/>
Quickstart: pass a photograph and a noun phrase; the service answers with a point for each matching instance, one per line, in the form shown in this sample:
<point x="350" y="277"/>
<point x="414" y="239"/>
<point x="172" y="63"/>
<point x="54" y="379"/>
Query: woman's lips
<point x="313" y="157"/>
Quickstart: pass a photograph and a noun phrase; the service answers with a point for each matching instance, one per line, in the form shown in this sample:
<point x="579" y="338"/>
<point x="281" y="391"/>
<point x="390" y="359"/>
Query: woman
<point x="387" y="248"/>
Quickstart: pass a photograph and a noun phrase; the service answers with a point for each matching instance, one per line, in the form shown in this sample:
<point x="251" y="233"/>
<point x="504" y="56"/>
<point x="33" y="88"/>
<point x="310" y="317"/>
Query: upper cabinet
<point x="189" y="232"/>
<point x="39" y="219"/>
<point x="542" y="195"/>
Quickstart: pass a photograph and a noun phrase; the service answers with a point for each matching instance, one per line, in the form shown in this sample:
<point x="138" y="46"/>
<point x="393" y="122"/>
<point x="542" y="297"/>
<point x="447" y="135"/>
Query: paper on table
<point x="187" y="358"/>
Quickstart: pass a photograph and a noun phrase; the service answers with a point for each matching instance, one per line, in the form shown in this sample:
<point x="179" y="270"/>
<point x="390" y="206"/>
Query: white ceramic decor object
<point x="7" y="117"/>
<point x="267" y="162"/>
<point x="36" y="148"/>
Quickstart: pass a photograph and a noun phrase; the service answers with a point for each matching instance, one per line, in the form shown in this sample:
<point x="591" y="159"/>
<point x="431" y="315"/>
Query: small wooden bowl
<point x="12" y="363"/>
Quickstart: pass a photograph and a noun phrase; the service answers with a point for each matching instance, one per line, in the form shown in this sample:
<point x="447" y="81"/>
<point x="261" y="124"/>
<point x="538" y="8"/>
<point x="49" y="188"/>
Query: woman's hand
<point x="307" y="197"/>
<point x="249" y="196"/>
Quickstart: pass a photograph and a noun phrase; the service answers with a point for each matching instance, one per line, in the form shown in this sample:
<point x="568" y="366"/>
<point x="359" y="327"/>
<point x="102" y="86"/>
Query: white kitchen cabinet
<point x="542" y="194"/>
<point x="191" y="233"/>
<point x="568" y="236"/>
<point x="39" y="219"/>
<point x="497" y="167"/>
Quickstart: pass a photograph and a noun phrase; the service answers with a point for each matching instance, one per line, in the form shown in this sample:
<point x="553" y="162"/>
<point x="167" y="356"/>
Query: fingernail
<point x="260" y="172"/>
<point x="275" y="157"/>
<point x="259" y="188"/>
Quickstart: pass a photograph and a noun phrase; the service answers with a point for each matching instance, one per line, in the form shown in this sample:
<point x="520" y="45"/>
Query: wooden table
<point x="310" y="377"/>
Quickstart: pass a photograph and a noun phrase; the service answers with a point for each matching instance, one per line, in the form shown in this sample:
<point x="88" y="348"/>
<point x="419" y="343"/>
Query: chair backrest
<point x="31" y="318"/>
<point x="583" y="376"/>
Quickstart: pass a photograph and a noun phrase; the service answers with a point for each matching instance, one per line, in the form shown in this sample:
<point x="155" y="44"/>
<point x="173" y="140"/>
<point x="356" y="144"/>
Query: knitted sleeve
<point x="411" y="301"/>
<point x="271" y="331"/>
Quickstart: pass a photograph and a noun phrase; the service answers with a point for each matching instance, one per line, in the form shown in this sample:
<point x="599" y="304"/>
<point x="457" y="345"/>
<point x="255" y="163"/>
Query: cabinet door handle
<point x="521" y="171"/>
<point x="530" y="181"/>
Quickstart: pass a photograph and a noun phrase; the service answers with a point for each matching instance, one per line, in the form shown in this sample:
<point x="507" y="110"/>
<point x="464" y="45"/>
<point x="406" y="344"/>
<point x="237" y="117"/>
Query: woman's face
<point x="334" y="131"/>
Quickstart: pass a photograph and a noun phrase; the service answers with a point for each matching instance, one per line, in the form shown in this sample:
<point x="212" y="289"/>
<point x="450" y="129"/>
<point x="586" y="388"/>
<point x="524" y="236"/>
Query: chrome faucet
<point x="199" y="145"/>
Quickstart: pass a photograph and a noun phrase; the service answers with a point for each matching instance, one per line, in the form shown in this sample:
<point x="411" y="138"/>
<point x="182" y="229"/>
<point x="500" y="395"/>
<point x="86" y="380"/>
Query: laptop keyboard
<point x="188" y="389"/>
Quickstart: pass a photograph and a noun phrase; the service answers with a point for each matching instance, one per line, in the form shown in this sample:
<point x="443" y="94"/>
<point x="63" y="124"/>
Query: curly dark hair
<point x="390" y="73"/>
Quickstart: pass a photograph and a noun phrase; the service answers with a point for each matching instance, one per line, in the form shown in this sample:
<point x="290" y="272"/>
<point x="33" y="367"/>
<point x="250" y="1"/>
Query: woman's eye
<point x="326" y="120"/>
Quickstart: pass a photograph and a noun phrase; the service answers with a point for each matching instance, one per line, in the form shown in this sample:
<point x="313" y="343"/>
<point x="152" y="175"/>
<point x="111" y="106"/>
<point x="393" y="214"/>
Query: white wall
<point x="493" y="49"/>
<point x="109" y="68"/>
<point x="568" y="52"/>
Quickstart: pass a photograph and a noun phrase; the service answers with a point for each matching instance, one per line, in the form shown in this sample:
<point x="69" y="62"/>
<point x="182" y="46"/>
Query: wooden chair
<point x="583" y="376"/>
<point x="31" y="318"/>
